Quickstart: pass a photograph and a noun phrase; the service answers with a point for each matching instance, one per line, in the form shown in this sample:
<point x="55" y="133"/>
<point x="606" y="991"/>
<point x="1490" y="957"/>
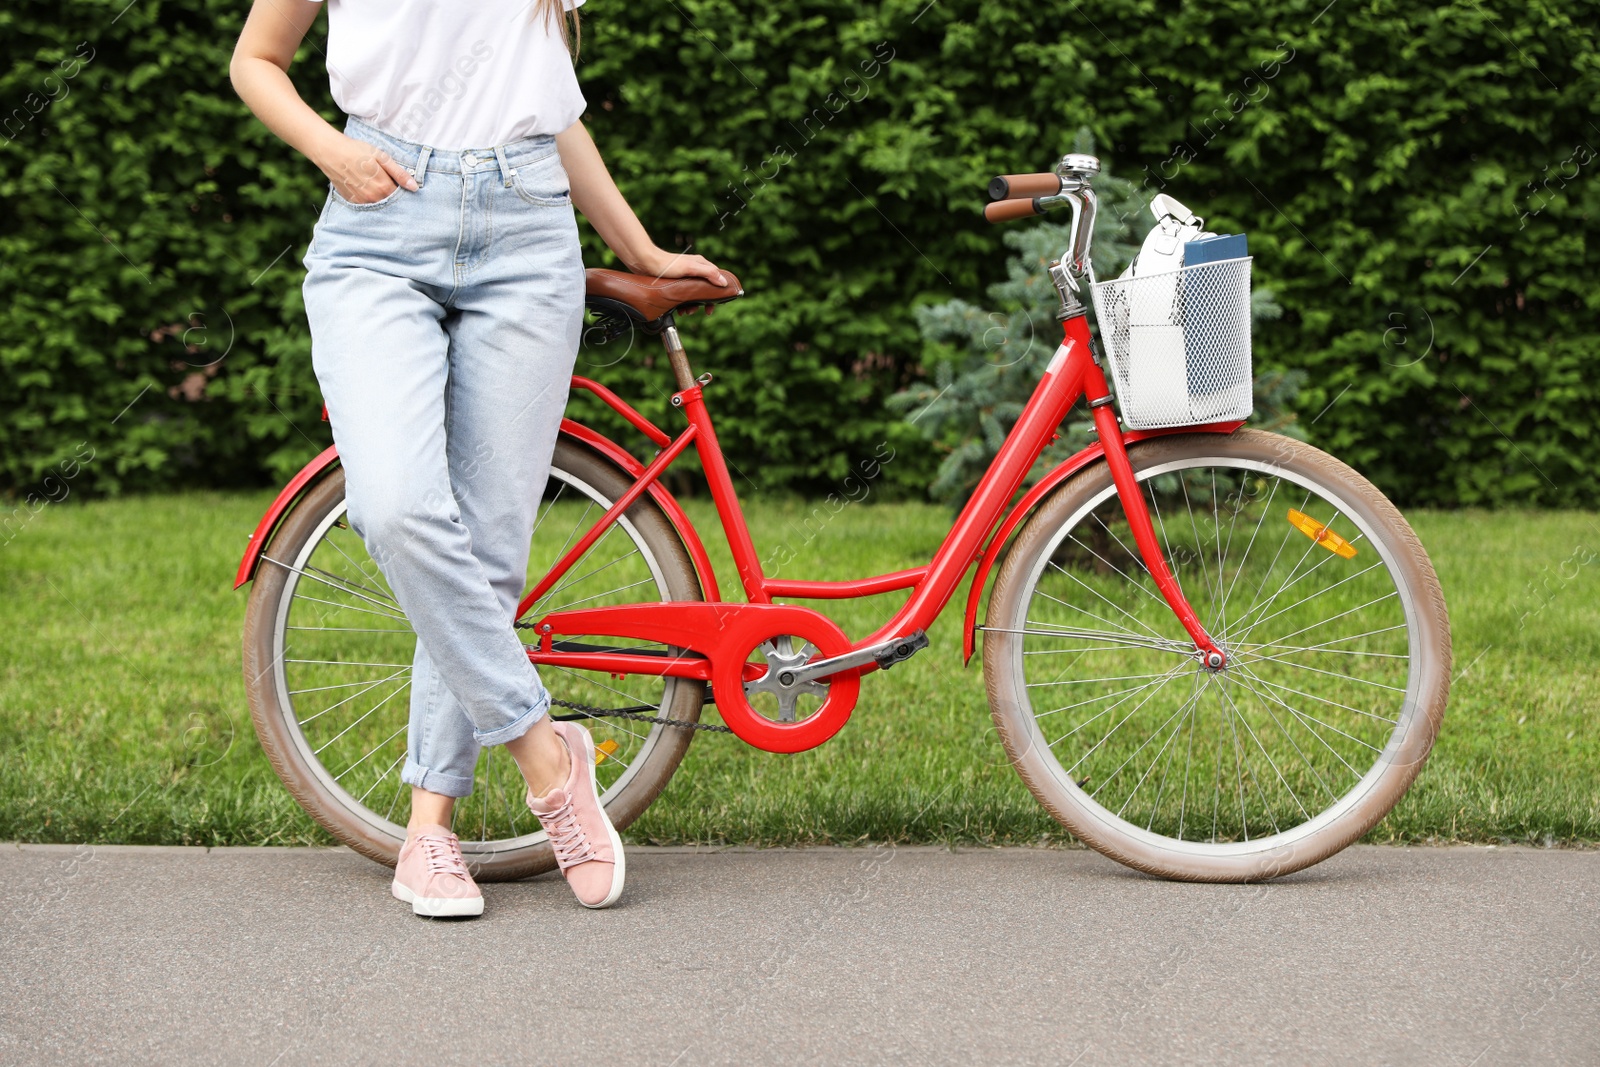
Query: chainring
<point x="817" y="637"/>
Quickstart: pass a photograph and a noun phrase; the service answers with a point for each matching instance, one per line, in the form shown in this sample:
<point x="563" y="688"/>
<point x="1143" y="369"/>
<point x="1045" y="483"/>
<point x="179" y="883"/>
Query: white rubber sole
<point x="438" y="907"/>
<point x="620" y="870"/>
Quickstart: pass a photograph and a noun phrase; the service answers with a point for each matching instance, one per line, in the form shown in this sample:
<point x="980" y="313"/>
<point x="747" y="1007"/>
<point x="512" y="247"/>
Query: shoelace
<point x="571" y="844"/>
<point x="443" y="855"/>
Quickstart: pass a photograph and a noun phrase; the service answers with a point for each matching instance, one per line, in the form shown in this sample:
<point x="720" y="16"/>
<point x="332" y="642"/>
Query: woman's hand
<point x="362" y="173"/>
<point x="659" y="263"/>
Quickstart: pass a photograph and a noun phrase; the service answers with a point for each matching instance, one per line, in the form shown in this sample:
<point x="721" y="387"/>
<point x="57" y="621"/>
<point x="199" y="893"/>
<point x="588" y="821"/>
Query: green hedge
<point x="1416" y="179"/>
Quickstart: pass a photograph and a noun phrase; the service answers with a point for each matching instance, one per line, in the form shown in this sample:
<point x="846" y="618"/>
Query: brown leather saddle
<point x="623" y="302"/>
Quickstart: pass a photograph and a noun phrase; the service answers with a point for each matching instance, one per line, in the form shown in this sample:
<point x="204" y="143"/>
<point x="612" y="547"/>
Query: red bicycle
<point x="1211" y="652"/>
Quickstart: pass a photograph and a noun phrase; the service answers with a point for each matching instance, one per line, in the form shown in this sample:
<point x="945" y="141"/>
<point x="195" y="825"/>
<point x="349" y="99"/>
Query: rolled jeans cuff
<point x="448" y="785"/>
<point x="522" y="725"/>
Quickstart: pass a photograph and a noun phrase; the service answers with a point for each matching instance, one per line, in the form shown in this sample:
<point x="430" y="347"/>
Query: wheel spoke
<point x="1267" y="755"/>
<point x="346" y="700"/>
<point x="347" y="584"/>
<point x="1274" y="698"/>
<point x="1158" y="684"/>
<point x="301" y="572"/>
<point x="347" y="663"/>
<point x="371" y="753"/>
<point x="1155" y="806"/>
<point x="569" y="581"/>
<point x="380" y="779"/>
<point x="1244" y="560"/>
<point x="1324" y="644"/>
<point x="1266" y="575"/>
<point x="1285" y="588"/>
<point x="1116" y="678"/>
<point x="1135" y="753"/>
<point x="1244" y="669"/>
<point x="566" y="605"/>
<point x="1360" y="607"/>
<point x="1330" y="674"/>
<point x="1266" y="706"/>
<point x="1131" y="693"/>
<point x="1137" y="584"/>
<point x="1306" y="717"/>
<point x="1101" y="596"/>
<point x="333" y="543"/>
<point x="352" y="607"/>
<point x="1306" y="600"/>
<point x="362" y="719"/>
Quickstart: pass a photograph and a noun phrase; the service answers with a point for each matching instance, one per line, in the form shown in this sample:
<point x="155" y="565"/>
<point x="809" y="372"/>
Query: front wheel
<point x="1337" y="644"/>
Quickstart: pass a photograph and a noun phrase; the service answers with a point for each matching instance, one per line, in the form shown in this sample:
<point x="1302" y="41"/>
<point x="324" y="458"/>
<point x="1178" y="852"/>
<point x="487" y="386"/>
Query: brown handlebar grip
<point x="1006" y="210"/>
<point x="1011" y="186"/>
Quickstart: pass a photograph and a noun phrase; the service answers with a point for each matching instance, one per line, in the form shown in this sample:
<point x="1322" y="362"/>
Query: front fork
<point x="1133" y="502"/>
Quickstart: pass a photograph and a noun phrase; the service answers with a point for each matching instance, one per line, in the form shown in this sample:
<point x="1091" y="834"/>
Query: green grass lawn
<point x="122" y="713"/>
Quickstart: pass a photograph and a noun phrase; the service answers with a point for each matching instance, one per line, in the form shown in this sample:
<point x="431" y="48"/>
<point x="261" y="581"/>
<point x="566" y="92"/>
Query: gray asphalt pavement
<point x="1463" y="956"/>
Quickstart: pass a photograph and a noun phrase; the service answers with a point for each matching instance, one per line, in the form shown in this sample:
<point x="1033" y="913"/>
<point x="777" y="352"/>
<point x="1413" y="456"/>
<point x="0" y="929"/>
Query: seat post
<point x="676" y="355"/>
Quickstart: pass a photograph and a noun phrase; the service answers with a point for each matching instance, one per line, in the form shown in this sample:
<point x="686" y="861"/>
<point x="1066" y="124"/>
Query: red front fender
<point x="1030" y="500"/>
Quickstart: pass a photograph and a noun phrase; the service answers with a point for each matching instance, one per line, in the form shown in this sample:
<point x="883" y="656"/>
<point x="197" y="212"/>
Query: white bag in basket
<point x="1156" y="365"/>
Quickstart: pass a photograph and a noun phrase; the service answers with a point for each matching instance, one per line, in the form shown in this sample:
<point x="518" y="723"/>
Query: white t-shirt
<point x="452" y="74"/>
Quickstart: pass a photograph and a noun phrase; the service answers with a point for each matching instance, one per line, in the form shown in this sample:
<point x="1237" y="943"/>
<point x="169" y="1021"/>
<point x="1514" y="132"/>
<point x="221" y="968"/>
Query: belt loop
<point x="505" y="166"/>
<point x="422" y="165"/>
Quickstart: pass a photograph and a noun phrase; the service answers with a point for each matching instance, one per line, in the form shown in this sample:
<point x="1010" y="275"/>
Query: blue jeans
<point x="444" y="327"/>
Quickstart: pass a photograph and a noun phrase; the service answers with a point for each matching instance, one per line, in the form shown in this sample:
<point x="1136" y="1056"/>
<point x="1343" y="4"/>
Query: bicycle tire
<point x="1019" y="639"/>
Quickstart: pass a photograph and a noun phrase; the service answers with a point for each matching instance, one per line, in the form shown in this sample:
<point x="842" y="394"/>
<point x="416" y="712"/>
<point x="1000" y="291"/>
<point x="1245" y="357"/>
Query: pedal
<point x="885" y="654"/>
<point x="902" y="650"/>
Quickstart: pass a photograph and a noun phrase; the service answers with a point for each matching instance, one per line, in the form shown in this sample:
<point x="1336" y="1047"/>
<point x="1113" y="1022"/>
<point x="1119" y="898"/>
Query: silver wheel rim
<point x="1041" y="748"/>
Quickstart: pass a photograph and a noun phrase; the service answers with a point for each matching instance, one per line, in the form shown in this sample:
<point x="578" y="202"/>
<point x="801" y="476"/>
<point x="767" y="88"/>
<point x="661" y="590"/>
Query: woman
<point x="444" y="288"/>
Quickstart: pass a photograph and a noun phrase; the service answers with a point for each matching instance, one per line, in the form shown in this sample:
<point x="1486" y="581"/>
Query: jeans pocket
<point x="385" y="202"/>
<point x="543" y="182"/>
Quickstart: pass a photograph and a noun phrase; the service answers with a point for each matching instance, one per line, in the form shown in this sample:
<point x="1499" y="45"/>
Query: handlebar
<point x="1006" y="210"/>
<point x="1019" y="196"/>
<point x="1011" y="186"/>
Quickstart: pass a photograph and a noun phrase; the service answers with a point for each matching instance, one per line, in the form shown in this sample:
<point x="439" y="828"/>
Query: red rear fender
<point x="310" y="473"/>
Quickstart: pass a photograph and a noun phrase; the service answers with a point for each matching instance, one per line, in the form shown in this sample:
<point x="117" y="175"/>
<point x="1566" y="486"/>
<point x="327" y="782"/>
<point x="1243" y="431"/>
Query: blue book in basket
<point x="1216" y="316"/>
<point x="1214" y="249"/>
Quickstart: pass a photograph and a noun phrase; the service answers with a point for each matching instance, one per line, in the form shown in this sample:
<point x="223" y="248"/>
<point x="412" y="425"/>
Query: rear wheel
<point x="1338" y="649"/>
<point x="327" y="660"/>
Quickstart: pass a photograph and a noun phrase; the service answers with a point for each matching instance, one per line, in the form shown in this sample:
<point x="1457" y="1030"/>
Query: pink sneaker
<point x="587" y="847"/>
<point x="432" y="876"/>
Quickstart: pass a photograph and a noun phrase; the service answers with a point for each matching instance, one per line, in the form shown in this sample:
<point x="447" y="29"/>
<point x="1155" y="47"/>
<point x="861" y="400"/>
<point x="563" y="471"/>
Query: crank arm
<point x="885" y="654"/>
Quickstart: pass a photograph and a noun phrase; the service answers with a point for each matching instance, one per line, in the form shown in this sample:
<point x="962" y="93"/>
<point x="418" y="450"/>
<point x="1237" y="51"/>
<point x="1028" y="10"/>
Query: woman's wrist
<point x="325" y="147"/>
<point x="646" y="260"/>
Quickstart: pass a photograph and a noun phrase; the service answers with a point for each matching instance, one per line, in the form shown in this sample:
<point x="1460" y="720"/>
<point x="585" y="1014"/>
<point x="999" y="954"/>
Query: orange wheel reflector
<point x="1322" y="535"/>
<point x="604" y="749"/>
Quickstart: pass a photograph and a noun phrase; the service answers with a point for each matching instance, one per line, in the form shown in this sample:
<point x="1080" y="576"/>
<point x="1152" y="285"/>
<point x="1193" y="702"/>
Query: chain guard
<point x="727" y="634"/>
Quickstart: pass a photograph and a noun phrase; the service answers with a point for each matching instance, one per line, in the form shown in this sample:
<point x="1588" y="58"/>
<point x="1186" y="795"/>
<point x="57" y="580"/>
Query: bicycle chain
<point x="590" y="711"/>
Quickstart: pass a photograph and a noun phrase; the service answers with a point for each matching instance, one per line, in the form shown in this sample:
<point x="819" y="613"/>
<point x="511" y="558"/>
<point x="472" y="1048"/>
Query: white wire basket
<point x="1179" y="344"/>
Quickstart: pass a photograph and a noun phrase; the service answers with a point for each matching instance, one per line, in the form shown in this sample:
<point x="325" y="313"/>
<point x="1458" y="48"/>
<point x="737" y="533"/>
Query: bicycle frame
<point x="721" y="635"/>
<point x="716" y="637"/>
